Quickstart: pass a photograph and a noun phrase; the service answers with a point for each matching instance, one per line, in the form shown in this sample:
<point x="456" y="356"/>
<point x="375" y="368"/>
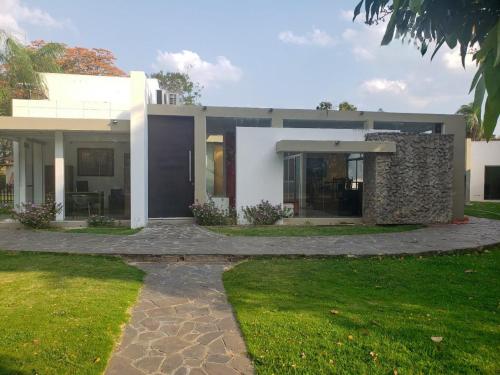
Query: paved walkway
<point x="193" y="240"/>
<point x="182" y="324"/>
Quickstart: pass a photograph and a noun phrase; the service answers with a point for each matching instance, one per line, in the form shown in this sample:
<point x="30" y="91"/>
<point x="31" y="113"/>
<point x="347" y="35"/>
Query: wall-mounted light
<point x="270" y="110"/>
<point x="204" y="107"/>
<point x="114" y="122"/>
<point x="337" y="143"/>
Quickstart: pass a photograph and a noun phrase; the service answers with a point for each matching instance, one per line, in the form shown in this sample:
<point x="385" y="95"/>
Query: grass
<point x="387" y="310"/>
<point x="488" y="210"/>
<point x="309" y="230"/>
<point x="62" y="314"/>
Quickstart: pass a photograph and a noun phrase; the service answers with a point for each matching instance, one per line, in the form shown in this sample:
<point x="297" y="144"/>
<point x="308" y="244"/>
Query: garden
<point x="261" y="219"/>
<point x="382" y="315"/>
<point x="62" y="314"/>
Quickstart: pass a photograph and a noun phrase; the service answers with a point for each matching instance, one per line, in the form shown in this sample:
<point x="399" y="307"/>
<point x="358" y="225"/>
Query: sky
<point x="280" y="54"/>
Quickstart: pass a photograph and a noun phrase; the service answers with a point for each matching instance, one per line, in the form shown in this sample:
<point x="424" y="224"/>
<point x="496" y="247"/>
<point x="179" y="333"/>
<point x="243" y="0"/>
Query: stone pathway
<point x="182" y="324"/>
<point x="193" y="240"/>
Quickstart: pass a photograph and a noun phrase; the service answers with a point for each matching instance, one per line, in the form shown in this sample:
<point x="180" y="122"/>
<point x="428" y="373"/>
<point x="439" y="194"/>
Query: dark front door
<point x="171" y="160"/>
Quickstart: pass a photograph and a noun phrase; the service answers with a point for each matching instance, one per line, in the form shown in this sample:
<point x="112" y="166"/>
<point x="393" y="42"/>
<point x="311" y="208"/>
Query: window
<point x="172" y="99"/>
<point x="323" y="124"/>
<point x="492" y="182"/>
<point x="95" y="162"/>
<point x="323" y="185"/>
<point x="409" y="127"/>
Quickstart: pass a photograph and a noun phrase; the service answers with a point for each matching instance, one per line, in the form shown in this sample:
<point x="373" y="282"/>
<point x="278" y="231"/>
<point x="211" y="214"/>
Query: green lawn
<point x="106" y="230"/>
<point x="62" y="314"/>
<point x="488" y="210"/>
<point x="309" y="230"/>
<point x="386" y="311"/>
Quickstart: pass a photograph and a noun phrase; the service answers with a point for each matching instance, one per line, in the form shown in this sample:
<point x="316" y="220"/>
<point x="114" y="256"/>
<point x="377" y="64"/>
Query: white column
<point x="138" y="151"/>
<point x="59" y="172"/>
<point x="17" y="181"/>
<point x="21" y="176"/>
<point x="37" y="173"/>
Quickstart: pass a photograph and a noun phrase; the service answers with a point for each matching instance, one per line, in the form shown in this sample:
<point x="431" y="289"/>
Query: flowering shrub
<point x="209" y="214"/>
<point x="265" y="213"/>
<point x="37" y="215"/>
<point x="100" y="221"/>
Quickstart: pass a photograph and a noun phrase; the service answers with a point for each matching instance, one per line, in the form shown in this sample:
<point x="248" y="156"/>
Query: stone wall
<point x="412" y="185"/>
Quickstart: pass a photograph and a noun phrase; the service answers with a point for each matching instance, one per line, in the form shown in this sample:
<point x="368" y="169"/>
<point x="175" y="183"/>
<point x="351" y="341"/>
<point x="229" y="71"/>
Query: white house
<point x="120" y="146"/>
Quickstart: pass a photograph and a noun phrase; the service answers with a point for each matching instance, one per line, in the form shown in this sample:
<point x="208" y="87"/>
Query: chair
<point x="82" y="186"/>
<point x="81" y="202"/>
<point x="116" y="200"/>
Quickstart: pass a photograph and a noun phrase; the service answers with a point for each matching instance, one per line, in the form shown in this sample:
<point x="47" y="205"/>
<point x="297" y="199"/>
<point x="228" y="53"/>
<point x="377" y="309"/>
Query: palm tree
<point x="19" y="67"/>
<point x="474" y="127"/>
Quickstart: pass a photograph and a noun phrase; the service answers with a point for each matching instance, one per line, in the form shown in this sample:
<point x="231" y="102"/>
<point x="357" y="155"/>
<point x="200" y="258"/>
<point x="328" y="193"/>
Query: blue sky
<point x="255" y="53"/>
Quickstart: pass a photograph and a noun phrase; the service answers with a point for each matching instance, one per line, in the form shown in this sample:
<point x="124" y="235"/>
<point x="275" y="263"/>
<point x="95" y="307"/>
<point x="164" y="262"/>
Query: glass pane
<point x="323" y="124"/>
<point x="323" y="185"/>
<point x="409" y="127"/>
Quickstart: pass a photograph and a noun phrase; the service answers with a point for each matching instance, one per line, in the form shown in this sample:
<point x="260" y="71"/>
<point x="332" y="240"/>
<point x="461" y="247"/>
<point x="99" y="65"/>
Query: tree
<point x="179" y="83"/>
<point x="324" y="105"/>
<point x="19" y="67"/>
<point x="472" y="25"/>
<point x="346" y="106"/>
<point x="79" y="60"/>
<point x="474" y="130"/>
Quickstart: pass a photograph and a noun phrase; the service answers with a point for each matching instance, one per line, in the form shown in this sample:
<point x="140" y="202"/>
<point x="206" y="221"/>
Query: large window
<point x="95" y="162"/>
<point x="221" y="154"/>
<point x="323" y="124"/>
<point x="409" y="127"/>
<point x="492" y="182"/>
<point x="323" y="185"/>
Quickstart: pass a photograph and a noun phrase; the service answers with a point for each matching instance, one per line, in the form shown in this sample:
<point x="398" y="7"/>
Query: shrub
<point x="209" y="214"/>
<point x="5" y="208"/>
<point x="265" y="213"/>
<point x="100" y="221"/>
<point x="37" y="215"/>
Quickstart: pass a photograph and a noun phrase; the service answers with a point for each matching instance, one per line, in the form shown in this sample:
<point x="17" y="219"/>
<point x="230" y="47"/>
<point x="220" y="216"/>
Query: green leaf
<point x="357" y="10"/>
<point x="389" y="32"/>
<point x="479" y="97"/>
<point x="415" y="5"/>
<point x="491" y="112"/>
<point x="497" y="58"/>
<point x="476" y="78"/>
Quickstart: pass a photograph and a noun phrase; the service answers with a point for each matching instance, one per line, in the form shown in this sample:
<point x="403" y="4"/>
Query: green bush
<point x="100" y="221"/>
<point x="209" y="214"/>
<point x="265" y="213"/>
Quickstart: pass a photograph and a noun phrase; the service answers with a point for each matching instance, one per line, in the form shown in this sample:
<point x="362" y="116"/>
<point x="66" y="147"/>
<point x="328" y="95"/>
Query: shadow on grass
<point x="58" y="266"/>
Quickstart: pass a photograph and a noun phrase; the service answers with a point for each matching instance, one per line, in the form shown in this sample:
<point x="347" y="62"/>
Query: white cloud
<point x="347" y="15"/>
<point x="378" y="85"/>
<point x="14" y="15"/>
<point x="453" y="62"/>
<point x="201" y="71"/>
<point x="315" y="37"/>
<point x="361" y="53"/>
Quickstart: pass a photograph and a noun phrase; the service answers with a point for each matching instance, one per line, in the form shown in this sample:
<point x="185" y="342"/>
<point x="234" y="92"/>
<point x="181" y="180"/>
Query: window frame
<point x="79" y="161"/>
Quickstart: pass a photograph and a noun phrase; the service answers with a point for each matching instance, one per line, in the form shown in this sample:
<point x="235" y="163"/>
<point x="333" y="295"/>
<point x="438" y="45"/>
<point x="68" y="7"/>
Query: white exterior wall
<point x="482" y="154"/>
<point x="83" y="96"/>
<point x="259" y="168"/>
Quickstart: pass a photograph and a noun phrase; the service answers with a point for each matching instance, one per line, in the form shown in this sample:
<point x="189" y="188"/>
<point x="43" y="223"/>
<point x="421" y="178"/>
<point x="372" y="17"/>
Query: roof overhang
<point x="334" y="146"/>
<point x="23" y="124"/>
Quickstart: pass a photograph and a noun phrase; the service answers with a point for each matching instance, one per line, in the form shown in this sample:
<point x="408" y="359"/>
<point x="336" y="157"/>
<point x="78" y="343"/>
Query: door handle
<point x="190" y="171"/>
